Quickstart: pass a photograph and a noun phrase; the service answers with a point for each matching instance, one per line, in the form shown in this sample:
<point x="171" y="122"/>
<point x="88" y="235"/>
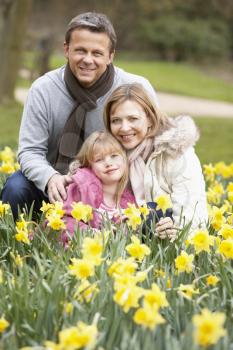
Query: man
<point x="63" y="107"/>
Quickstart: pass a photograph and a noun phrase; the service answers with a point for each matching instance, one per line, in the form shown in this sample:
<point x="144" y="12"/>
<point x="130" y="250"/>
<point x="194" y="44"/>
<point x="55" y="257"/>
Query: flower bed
<point x="118" y="288"/>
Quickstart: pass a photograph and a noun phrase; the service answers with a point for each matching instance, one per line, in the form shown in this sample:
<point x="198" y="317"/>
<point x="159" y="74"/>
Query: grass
<point x="216" y="140"/>
<point x="10" y="115"/>
<point x="180" y="78"/>
<point x="215" y="143"/>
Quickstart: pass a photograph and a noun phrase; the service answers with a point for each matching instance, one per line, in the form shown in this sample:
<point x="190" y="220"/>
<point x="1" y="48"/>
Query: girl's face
<point x="129" y="124"/>
<point x="109" y="167"/>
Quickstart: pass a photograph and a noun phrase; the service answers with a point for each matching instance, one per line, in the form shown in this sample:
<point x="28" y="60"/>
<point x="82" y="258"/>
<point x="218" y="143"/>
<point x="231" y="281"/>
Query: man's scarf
<point x="72" y="136"/>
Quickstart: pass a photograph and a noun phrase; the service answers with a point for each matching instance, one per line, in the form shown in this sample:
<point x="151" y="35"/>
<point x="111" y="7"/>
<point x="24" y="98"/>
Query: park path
<point x="176" y="104"/>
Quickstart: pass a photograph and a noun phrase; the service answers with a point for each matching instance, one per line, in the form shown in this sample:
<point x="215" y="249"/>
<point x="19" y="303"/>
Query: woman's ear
<point x="149" y="122"/>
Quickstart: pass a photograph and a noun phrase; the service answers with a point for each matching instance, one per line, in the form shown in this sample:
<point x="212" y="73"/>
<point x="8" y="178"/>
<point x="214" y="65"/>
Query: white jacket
<point x="174" y="169"/>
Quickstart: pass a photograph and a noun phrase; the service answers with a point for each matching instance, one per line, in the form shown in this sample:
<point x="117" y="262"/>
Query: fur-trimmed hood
<point x="182" y="134"/>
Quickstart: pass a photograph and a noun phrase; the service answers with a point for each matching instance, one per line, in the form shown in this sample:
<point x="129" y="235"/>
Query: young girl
<point x="100" y="176"/>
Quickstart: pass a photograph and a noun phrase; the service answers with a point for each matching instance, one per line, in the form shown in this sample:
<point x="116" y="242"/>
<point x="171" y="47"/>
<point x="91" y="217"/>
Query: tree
<point x="13" y="20"/>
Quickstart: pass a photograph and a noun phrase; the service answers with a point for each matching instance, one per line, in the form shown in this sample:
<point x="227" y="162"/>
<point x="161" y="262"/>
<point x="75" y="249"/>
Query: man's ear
<point x="111" y="56"/>
<point x="66" y="49"/>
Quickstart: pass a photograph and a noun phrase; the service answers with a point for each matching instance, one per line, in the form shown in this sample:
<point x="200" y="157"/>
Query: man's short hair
<point x="94" y="22"/>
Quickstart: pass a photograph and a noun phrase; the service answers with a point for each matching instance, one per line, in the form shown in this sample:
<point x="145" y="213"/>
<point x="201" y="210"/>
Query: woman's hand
<point x="165" y="229"/>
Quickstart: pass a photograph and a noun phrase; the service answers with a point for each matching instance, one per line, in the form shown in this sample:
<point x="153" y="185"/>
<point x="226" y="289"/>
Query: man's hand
<point x="165" y="229"/>
<point x="57" y="187"/>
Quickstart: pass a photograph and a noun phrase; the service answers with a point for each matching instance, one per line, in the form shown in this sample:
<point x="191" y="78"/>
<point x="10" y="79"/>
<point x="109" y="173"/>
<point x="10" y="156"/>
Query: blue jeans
<point x="21" y="193"/>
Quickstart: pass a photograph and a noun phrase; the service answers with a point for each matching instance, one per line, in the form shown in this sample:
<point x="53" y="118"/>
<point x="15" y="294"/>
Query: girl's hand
<point x="165" y="229"/>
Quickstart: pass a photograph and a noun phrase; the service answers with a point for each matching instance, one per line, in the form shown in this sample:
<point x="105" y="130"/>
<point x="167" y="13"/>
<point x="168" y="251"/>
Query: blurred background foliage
<point x="170" y="30"/>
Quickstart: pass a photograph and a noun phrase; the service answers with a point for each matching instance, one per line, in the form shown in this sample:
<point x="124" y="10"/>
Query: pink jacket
<point x="87" y="188"/>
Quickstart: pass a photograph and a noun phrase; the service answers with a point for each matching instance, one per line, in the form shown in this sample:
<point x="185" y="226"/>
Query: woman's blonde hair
<point x="136" y="92"/>
<point x="104" y="143"/>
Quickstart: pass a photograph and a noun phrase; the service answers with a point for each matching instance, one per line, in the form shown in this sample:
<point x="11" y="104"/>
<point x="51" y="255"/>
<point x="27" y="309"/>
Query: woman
<point x="161" y="156"/>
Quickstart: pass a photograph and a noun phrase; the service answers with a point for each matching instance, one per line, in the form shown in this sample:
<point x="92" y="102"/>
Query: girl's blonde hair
<point x="104" y="143"/>
<point x="136" y="92"/>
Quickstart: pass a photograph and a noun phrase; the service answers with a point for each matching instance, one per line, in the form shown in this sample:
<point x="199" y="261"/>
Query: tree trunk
<point x="13" y="21"/>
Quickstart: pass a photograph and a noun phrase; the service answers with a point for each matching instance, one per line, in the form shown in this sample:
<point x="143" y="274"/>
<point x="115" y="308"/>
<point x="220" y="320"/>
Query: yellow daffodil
<point x="227" y="206"/>
<point x="183" y="262"/>
<point x="144" y="210"/>
<point x="230" y="192"/>
<point x="7" y="155"/>
<point x="17" y="259"/>
<point x="230" y="197"/>
<point x="159" y="273"/>
<point x="123" y="267"/>
<point x="92" y="249"/>
<point x="217" y="241"/>
<point x="81" y="268"/>
<point x="226" y="231"/>
<point x="136" y="249"/>
<point x="129" y="280"/>
<point x="213" y="197"/>
<point x="68" y="308"/>
<point x="17" y="166"/>
<point x="212" y="280"/>
<point x="226" y="248"/>
<point x="155" y="298"/>
<point x="222" y="169"/>
<point x="169" y="283"/>
<point x="22" y="236"/>
<point x="78" y="337"/>
<point x="209" y="172"/>
<point x="55" y="221"/>
<point x="22" y="224"/>
<point x="134" y="222"/>
<point x="148" y="318"/>
<point x="4" y="209"/>
<point x="47" y="208"/>
<point x="217" y="218"/>
<point x="58" y="209"/>
<point x="202" y="241"/>
<point x="134" y="216"/>
<point x="230" y="187"/>
<point x="50" y="345"/>
<point x="230" y="220"/>
<point x="127" y="296"/>
<point x="218" y="188"/>
<point x="86" y="291"/>
<point x="163" y="203"/>
<point x="81" y="212"/>
<point x="187" y="290"/>
<point x="3" y="324"/>
<point x="7" y="168"/>
<point x="208" y="327"/>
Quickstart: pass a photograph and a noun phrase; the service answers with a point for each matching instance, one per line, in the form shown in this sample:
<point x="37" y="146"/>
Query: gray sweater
<point x="46" y="110"/>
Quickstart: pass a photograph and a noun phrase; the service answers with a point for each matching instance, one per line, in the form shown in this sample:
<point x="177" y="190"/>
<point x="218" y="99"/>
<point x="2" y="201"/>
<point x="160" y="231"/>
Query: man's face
<point x="88" y="54"/>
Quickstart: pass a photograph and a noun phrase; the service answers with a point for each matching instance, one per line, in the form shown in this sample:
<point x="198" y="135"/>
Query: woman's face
<point x="129" y="124"/>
